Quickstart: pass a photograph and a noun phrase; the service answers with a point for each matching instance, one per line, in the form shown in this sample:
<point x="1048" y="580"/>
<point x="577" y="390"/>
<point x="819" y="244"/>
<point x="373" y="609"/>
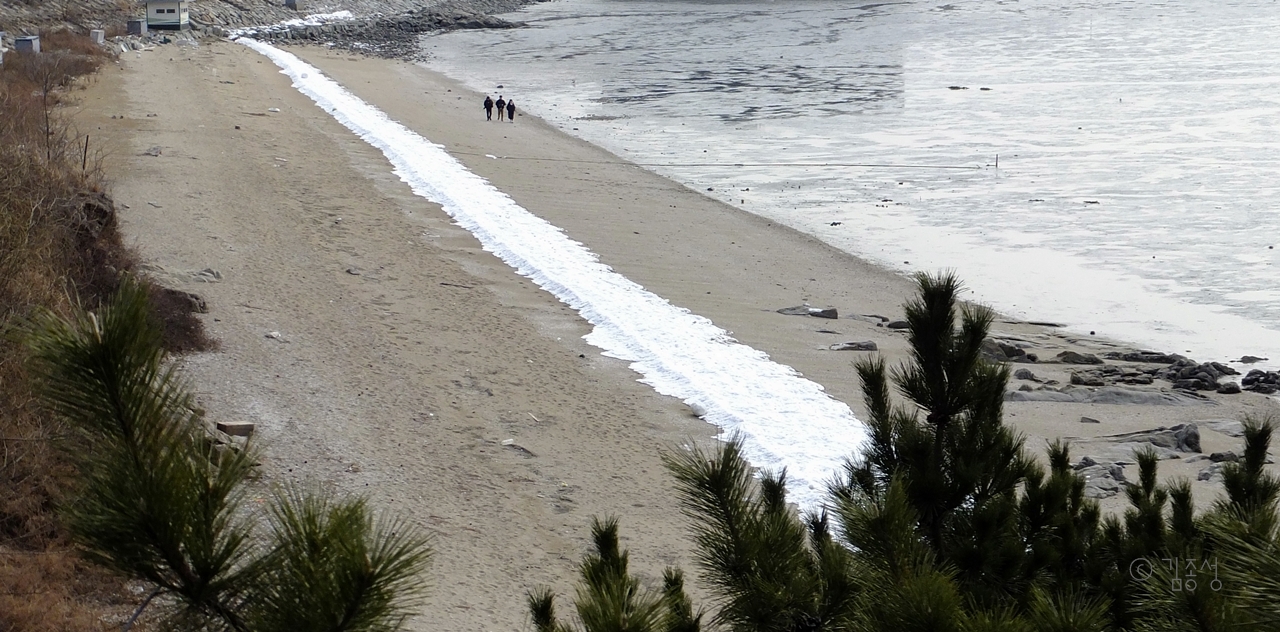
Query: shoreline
<point x="405" y="357"/>
<point x="1063" y="281"/>
<point x="647" y="243"/>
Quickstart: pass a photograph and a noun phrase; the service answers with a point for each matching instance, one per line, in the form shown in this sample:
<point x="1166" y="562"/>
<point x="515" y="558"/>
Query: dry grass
<point x="59" y="246"/>
<point x="52" y="591"/>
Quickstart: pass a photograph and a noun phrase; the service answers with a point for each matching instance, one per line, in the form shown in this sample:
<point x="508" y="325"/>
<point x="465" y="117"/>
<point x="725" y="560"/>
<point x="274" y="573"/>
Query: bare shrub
<point x="59" y="246"/>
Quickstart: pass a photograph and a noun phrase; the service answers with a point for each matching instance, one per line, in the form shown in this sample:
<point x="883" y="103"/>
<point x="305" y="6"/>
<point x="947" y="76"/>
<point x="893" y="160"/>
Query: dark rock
<point x="1087" y="379"/>
<point x="1251" y="359"/>
<point x="1011" y="351"/>
<point x="992" y="351"/>
<point x="1108" y="375"/>
<point x="1188" y="437"/>
<point x="1102" y="480"/>
<point x="899" y="324"/>
<point x="1259" y="381"/>
<point x="1089" y="420"/>
<point x="1109" y="395"/>
<point x="1031" y="357"/>
<point x="192" y="302"/>
<point x="1025" y="374"/>
<point x="805" y="310"/>
<point x="1149" y="357"/>
<point x="1179" y="438"/>
<point x="1213" y="473"/>
<point x="1229" y="388"/>
<point x="1219" y="457"/>
<point x="865" y="345"/>
<point x="1072" y="357"/>
<point x="1186" y="374"/>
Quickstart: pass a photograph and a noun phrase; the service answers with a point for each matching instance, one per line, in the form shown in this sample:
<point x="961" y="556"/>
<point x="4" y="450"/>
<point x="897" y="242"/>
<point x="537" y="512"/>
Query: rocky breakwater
<point x="22" y="16"/>
<point x="395" y="36"/>
<point x="1183" y="373"/>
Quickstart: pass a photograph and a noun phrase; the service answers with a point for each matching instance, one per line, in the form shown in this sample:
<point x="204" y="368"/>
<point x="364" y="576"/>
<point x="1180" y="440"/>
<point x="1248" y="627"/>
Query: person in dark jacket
<point x="502" y="107"/>
<point x="488" y="108"/>
<point x="511" y="111"/>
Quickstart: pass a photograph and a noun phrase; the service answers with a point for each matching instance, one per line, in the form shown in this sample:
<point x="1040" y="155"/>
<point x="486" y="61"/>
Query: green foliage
<point x="1068" y="611"/>
<point x="960" y="466"/>
<point x="944" y="523"/>
<point x="610" y="599"/>
<point x="158" y="504"/>
<point x="768" y="570"/>
<point x="358" y="574"/>
<point x="154" y="505"/>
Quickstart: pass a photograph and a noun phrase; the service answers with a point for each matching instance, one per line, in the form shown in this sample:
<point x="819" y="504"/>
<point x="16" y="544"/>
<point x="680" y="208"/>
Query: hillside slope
<point x="18" y="16"/>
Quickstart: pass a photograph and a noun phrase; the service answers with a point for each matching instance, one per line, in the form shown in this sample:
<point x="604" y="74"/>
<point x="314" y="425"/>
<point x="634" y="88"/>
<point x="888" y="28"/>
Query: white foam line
<point x="786" y="420"/>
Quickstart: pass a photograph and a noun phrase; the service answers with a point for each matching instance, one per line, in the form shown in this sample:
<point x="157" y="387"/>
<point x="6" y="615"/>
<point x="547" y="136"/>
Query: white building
<point x="167" y="14"/>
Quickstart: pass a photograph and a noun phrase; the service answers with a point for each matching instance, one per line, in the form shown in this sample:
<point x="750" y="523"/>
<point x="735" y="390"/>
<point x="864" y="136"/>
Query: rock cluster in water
<point x="1259" y="381"/>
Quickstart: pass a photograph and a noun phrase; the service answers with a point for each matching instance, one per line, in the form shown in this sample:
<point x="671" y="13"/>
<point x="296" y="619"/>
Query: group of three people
<point x="504" y="107"/>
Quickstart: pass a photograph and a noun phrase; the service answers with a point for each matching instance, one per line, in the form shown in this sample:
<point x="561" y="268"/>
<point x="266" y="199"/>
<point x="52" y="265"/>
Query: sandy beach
<point x="380" y="350"/>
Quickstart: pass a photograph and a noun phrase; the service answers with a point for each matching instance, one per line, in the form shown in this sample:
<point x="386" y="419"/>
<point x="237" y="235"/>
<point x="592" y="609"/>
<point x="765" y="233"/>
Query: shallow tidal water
<point x="1135" y="192"/>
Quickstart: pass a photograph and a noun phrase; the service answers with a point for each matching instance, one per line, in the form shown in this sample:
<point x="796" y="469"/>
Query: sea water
<point x="1111" y="166"/>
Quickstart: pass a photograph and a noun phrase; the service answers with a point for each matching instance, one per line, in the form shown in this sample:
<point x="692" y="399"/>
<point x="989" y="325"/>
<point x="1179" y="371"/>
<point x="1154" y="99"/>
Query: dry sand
<point x="381" y="351"/>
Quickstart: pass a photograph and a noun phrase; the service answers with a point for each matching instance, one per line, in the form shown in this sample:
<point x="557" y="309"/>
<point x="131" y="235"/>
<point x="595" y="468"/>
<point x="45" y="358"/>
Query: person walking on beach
<point x="502" y="106"/>
<point x="511" y="111"/>
<point x="488" y="108"/>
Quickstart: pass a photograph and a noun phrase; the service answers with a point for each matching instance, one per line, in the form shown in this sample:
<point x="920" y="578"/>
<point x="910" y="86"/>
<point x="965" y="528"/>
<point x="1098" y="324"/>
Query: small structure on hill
<point x="168" y="14"/>
<point x="29" y="44"/>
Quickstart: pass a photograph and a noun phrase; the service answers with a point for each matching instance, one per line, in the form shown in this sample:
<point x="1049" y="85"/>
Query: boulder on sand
<point x="865" y="345"/>
<point x="1072" y="357"/>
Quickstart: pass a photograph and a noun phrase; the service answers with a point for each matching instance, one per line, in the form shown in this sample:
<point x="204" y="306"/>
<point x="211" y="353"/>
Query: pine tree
<point x="960" y="466"/>
<point x="157" y="503"/>
<point x="943" y="523"/>
<point x="611" y="599"/>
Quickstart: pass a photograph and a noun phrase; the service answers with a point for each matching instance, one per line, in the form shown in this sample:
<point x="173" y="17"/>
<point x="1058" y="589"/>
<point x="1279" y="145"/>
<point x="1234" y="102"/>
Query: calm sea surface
<point x="1137" y="192"/>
